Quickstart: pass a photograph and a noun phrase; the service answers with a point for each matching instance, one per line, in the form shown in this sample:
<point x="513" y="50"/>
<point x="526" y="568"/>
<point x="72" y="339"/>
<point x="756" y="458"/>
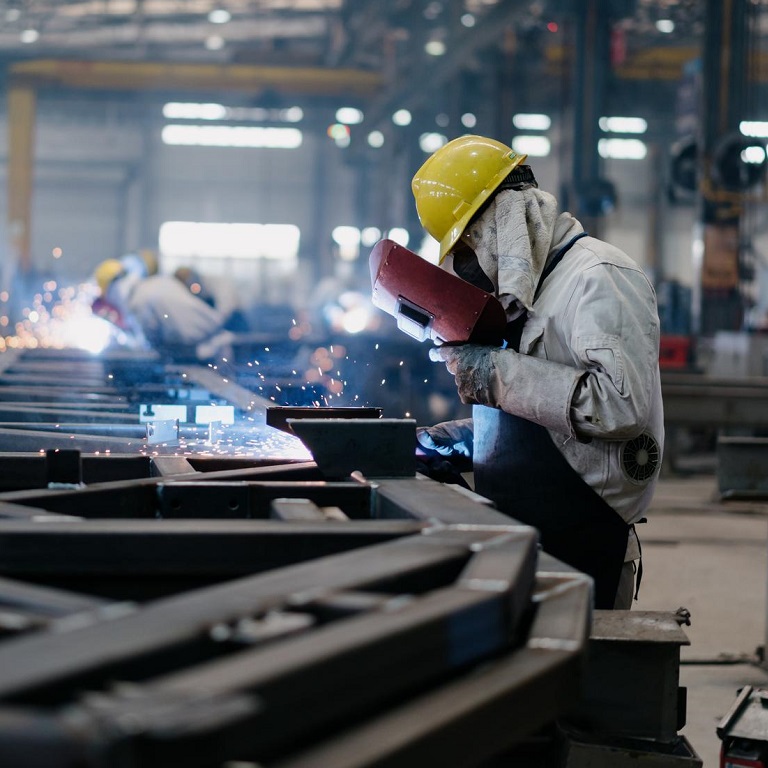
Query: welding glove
<point x="449" y="438"/>
<point x="536" y="389"/>
<point x="441" y="469"/>
<point x="217" y="346"/>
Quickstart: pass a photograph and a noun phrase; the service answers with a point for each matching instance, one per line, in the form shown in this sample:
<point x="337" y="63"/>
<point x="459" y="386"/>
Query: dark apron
<point x="518" y="467"/>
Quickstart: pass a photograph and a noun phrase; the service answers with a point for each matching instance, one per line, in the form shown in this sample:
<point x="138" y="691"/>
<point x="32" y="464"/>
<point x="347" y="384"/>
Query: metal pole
<point x="591" y="67"/>
<point x="22" y="102"/>
<point x="725" y="86"/>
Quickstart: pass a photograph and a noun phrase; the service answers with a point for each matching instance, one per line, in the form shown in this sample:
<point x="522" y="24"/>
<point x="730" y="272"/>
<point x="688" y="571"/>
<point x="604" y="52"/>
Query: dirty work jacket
<point x="597" y="313"/>
<point x="588" y="371"/>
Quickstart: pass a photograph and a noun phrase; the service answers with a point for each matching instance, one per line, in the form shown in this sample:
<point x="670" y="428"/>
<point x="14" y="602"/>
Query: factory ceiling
<point x="326" y="33"/>
<point x="404" y="52"/>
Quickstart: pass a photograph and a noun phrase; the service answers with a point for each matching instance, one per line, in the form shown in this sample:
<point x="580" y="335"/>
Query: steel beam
<point x="158" y="76"/>
<point x="715" y="402"/>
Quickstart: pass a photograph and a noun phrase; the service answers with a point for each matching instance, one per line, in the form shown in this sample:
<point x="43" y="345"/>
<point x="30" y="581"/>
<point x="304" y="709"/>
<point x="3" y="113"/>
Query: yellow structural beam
<point x="659" y="63"/>
<point x="22" y="103"/>
<point x="142" y="76"/>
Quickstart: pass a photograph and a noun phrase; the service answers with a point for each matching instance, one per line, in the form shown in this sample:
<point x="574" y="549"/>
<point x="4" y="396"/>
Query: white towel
<point x="512" y="240"/>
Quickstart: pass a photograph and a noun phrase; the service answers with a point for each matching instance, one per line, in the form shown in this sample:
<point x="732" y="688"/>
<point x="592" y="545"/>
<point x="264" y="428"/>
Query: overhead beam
<point x="149" y="76"/>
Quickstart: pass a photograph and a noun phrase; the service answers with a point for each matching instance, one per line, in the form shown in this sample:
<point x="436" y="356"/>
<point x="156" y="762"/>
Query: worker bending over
<point x="567" y="424"/>
<point x="161" y="310"/>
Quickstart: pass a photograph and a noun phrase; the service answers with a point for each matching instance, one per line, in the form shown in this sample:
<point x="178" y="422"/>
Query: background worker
<point x="567" y="423"/>
<point x="142" y="262"/>
<point x="219" y="292"/>
<point x="163" y="311"/>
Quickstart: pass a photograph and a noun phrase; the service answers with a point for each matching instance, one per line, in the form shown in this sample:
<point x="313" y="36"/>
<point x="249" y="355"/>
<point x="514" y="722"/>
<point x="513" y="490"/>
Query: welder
<point x="567" y="425"/>
<point x="142" y="262"/>
<point x="160" y="309"/>
<point x="219" y="292"/>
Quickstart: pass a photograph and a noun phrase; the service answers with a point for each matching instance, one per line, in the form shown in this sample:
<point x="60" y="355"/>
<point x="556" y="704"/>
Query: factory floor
<point x="711" y="557"/>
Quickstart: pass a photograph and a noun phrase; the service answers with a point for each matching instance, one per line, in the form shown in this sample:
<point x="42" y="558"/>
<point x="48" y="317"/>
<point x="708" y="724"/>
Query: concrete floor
<point x="711" y="557"/>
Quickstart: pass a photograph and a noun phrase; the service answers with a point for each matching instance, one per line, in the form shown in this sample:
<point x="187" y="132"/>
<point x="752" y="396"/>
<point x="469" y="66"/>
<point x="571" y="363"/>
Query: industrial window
<point x="231" y="136"/>
<point x="220" y="247"/>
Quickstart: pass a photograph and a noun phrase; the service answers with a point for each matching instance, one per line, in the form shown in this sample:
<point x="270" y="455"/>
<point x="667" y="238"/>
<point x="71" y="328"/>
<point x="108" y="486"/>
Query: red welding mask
<point x="430" y="303"/>
<point x="107" y="311"/>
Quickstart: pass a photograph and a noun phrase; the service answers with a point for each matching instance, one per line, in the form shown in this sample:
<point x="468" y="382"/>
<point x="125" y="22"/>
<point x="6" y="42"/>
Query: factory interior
<point x="223" y="543"/>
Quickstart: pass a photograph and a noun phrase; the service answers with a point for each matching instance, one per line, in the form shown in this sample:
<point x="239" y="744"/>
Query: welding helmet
<point x="109" y="312"/>
<point x="107" y="272"/>
<point x="456" y="180"/>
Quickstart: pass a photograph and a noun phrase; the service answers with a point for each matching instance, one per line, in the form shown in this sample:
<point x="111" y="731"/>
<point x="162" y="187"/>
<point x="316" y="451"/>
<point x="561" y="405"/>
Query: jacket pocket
<point x="532" y="341"/>
<point x="603" y="355"/>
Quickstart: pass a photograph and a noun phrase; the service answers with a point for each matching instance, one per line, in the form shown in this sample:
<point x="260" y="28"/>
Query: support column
<point x="22" y="102"/>
<point x="592" y="65"/>
<point x="725" y="87"/>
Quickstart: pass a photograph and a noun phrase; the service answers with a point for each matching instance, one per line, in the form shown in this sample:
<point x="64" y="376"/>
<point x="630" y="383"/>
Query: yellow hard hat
<point x="106" y="272"/>
<point x="456" y="180"/>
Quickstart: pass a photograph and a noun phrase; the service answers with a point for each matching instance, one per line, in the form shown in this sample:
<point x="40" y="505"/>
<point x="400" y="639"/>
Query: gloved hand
<point x="442" y="470"/>
<point x="449" y="438"/>
<point x="536" y="389"/>
<point x="217" y="346"/>
<point x="472" y="368"/>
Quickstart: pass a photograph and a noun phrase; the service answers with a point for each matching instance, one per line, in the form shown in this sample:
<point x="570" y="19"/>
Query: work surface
<point x="710" y="557"/>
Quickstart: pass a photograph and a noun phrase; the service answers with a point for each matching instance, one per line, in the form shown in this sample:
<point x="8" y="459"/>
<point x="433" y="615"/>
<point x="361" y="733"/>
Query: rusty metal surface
<point x="278" y="415"/>
<point x="638" y="627"/>
<point x="374" y="447"/>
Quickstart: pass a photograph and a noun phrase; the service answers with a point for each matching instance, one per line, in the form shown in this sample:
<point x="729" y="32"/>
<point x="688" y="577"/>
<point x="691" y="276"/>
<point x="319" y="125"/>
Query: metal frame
<point x="181" y="609"/>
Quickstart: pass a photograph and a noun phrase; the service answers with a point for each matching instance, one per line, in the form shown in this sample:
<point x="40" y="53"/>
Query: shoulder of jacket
<point x="597" y="252"/>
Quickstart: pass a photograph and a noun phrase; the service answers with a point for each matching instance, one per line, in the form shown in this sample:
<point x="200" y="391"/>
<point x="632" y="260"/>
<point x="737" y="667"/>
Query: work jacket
<point x="169" y="315"/>
<point x="588" y="371"/>
<point x="596" y="312"/>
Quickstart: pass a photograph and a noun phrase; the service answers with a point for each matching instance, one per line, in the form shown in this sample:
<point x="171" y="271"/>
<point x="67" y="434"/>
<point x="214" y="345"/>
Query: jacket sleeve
<point x="616" y="339"/>
<point x="613" y="331"/>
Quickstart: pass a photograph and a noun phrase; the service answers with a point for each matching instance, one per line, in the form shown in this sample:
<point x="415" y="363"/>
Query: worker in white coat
<point x="163" y="311"/>
<point x="219" y="292"/>
<point x="567" y="423"/>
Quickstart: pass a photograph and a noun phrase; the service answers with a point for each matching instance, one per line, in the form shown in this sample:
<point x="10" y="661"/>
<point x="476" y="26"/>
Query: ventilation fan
<point x="640" y="458"/>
